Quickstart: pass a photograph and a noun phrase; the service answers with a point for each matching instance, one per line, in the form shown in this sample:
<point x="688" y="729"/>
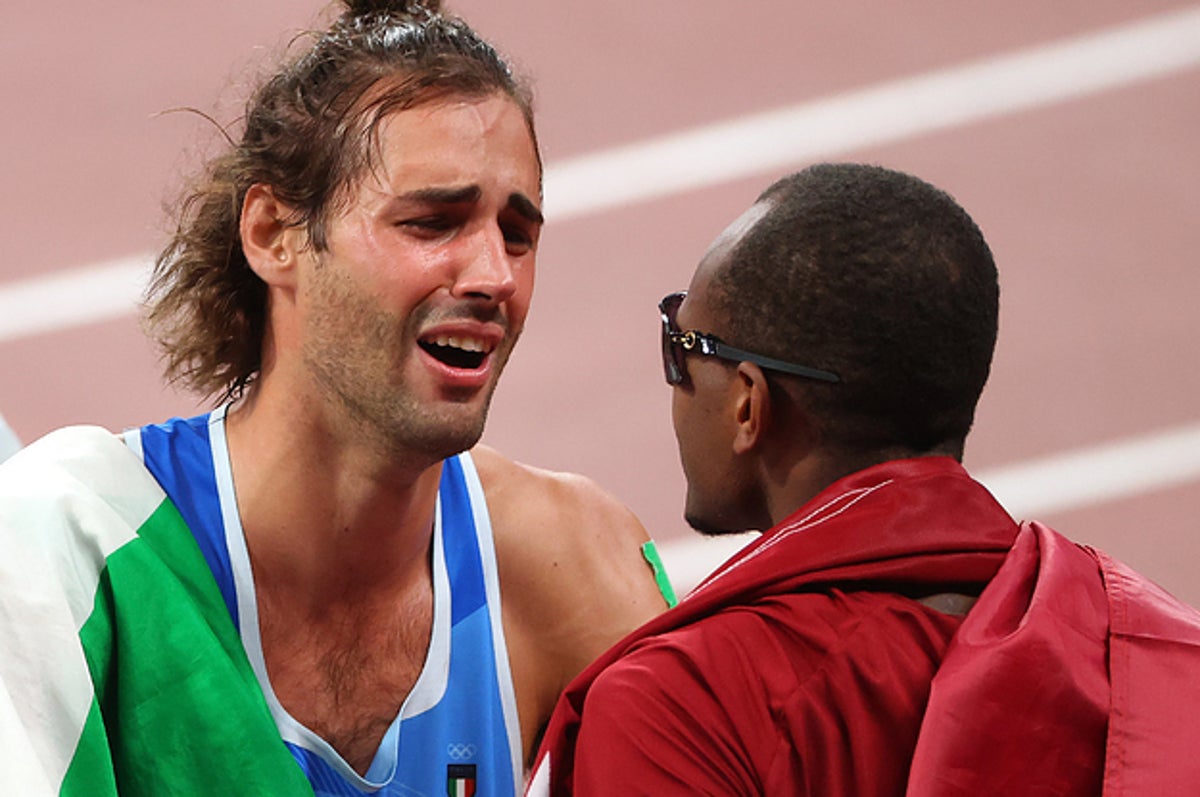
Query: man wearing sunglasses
<point x="893" y="628"/>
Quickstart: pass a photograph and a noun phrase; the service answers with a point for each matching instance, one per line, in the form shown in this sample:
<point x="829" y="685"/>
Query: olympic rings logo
<point x="460" y="751"/>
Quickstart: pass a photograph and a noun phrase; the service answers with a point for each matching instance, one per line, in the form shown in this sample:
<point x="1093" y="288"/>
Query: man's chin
<point x="435" y="437"/>
<point x="447" y="442"/>
<point x="710" y="527"/>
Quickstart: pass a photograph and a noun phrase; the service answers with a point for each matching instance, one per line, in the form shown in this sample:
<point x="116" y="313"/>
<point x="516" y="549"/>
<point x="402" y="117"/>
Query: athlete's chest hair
<point x="345" y="674"/>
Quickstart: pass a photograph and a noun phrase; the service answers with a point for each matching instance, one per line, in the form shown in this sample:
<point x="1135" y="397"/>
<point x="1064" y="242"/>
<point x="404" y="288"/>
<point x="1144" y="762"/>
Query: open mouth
<point x="457" y="351"/>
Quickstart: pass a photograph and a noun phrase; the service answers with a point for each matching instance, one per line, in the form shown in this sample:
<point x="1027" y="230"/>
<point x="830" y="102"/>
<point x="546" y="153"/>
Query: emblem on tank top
<point x="460" y="780"/>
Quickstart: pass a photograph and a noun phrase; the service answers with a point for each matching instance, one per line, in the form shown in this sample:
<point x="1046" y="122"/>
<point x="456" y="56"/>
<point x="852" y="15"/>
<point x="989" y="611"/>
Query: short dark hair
<point x="309" y="132"/>
<point x="881" y="278"/>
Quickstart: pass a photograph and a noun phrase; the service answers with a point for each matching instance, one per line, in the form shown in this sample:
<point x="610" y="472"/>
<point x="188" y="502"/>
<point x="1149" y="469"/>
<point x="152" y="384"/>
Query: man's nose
<point x="487" y="270"/>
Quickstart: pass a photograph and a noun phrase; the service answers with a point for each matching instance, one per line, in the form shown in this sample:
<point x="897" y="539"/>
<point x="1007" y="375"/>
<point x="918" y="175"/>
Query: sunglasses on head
<point x="675" y="344"/>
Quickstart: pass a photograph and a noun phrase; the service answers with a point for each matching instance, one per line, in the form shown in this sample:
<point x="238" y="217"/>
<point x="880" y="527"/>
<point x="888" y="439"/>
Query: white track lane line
<point x="1058" y="72"/>
<point x="70" y="298"/>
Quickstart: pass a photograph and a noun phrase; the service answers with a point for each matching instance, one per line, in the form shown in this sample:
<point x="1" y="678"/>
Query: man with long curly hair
<point x="301" y="590"/>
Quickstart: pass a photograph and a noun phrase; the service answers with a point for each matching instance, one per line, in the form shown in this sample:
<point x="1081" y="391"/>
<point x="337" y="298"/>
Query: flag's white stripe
<point x="66" y="503"/>
<point x="691" y="159"/>
<point x="1037" y="488"/>
<point x="900" y="109"/>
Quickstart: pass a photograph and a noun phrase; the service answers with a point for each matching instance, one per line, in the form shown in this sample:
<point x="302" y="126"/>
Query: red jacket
<point x="805" y="664"/>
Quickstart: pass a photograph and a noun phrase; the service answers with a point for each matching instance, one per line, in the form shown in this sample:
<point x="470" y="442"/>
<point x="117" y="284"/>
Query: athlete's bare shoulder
<point x="561" y="535"/>
<point x="573" y="575"/>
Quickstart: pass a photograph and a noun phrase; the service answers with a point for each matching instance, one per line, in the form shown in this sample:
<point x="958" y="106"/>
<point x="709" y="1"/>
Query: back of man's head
<point x="883" y="279"/>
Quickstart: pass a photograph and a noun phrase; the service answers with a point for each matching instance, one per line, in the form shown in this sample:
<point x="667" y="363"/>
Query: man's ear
<point x="752" y="408"/>
<point x="270" y="243"/>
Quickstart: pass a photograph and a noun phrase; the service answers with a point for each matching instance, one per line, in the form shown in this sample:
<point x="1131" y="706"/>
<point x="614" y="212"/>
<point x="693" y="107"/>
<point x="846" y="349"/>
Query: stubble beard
<point x="358" y="354"/>
<point x="700" y="522"/>
<point x="697" y="517"/>
<point x="715" y="517"/>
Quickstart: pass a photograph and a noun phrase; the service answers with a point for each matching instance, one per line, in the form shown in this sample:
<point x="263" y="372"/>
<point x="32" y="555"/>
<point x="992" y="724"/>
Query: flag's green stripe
<point x="181" y="708"/>
<point x="650" y="553"/>
<point x="91" y="771"/>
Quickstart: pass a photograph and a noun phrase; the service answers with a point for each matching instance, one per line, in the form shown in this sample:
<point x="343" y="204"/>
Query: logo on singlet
<point x="460" y="751"/>
<point x="460" y="780"/>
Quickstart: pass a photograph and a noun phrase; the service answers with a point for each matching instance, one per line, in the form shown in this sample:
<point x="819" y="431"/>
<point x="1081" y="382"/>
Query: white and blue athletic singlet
<point x="457" y="732"/>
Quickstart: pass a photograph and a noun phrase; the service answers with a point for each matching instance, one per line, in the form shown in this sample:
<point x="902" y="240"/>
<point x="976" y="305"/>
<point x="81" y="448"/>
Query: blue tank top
<point x="457" y="732"/>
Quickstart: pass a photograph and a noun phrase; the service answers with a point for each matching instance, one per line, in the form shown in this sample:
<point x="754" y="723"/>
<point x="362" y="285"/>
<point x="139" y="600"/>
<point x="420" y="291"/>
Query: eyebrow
<point x="524" y="205"/>
<point x="471" y="193"/>
<point x="445" y="196"/>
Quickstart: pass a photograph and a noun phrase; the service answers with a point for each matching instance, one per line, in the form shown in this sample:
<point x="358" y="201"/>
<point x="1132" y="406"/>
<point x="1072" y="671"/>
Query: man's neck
<point x="324" y="513"/>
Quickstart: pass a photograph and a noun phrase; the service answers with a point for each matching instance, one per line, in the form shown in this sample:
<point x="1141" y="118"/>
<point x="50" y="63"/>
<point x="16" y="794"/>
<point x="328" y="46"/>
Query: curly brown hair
<point x="309" y="133"/>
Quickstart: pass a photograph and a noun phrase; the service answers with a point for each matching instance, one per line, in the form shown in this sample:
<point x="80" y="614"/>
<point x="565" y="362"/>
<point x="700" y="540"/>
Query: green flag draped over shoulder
<point x="120" y="669"/>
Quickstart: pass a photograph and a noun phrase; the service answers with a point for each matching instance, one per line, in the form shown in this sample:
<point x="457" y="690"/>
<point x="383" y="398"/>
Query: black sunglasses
<point x="676" y="343"/>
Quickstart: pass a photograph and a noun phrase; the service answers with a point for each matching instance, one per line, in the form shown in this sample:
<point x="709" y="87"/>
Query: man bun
<point x="400" y="8"/>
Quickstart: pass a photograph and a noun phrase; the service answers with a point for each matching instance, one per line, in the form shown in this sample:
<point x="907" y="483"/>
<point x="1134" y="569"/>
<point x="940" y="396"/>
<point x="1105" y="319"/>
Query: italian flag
<point x="120" y="668"/>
